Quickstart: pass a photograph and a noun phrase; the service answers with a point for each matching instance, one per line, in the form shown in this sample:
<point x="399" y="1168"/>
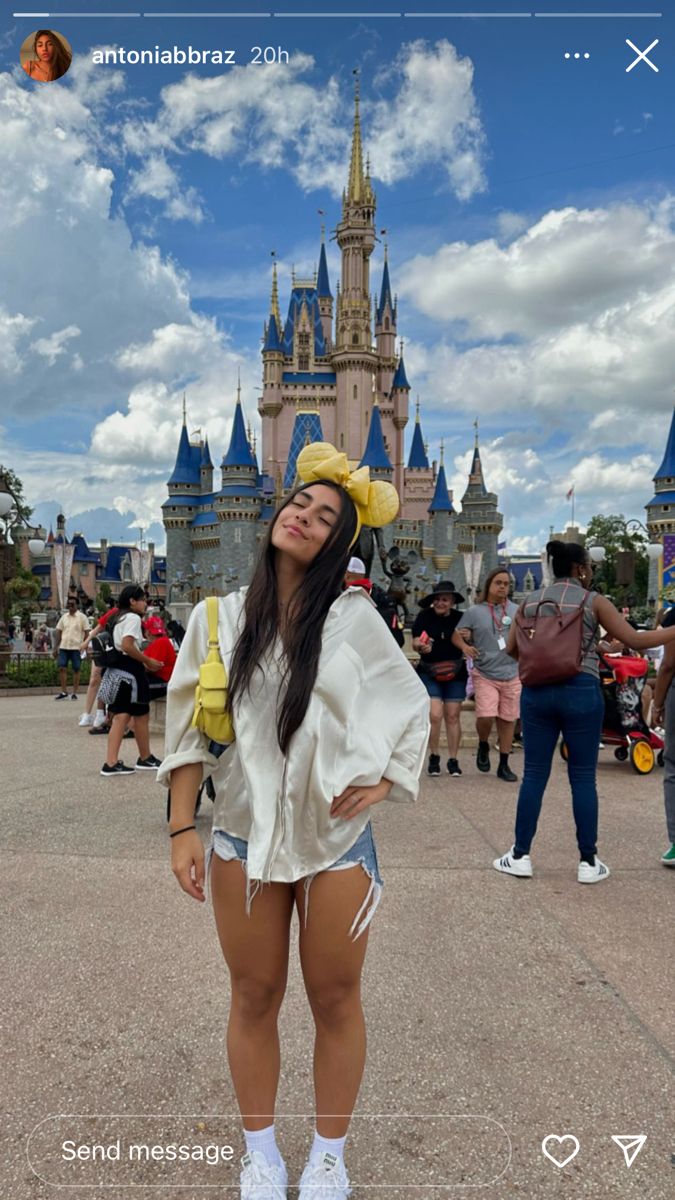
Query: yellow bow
<point x="376" y="502"/>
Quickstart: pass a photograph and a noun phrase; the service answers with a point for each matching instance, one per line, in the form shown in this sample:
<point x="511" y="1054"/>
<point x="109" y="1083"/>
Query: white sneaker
<point x="260" y="1180"/>
<point x="86" y="719"/>
<point x="594" y="874"/>
<point x="324" y="1178"/>
<point x="99" y="719"/>
<point x="522" y="867"/>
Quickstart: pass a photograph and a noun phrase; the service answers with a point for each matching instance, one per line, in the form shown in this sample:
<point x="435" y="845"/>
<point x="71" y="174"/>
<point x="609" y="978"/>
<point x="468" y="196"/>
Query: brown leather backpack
<point x="550" y="648"/>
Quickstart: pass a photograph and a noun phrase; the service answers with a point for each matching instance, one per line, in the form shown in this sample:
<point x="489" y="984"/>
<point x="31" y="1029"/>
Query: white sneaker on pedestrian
<point x="85" y="719"/>
<point x="324" y="1178"/>
<point x="592" y="874"/>
<point x="522" y="867"/>
<point x="260" y="1180"/>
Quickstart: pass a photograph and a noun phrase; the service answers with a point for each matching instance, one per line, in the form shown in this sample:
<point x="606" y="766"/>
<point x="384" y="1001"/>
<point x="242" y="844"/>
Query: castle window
<point x="237" y="535"/>
<point x="386" y="322"/>
<point x="356" y="392"/>
<point x="303" y="362"/>
<point x="355" y="339"/>
<point x="303" y="341"/>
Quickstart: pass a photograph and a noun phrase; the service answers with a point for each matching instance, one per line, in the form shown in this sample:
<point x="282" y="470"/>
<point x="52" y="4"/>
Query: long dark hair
<point x="62" y="57"/>
<point x="565" y="555"/>
<point x="307" y="611"/>
<point x="133" y="591"/>
<point x="485" y="590"/>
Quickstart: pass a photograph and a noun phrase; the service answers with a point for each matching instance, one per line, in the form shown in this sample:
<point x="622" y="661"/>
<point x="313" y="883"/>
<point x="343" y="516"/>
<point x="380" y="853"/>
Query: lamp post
<point x="654" y="550"/>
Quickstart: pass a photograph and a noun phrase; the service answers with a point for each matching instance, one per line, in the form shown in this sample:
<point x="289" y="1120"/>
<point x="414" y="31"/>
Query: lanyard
<point x="497" y="624"/>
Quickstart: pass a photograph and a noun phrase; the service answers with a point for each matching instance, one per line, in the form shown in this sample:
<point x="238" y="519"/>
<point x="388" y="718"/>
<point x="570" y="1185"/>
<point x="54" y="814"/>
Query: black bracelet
<point x="185" y="830"/>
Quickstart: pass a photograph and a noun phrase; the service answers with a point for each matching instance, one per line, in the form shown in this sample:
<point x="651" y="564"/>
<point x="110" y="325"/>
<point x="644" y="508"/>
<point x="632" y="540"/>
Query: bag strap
<point x="212" y="615"/>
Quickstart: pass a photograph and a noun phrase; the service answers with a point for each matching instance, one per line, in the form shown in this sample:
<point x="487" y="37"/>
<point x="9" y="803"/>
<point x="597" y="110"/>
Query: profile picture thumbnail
<point x="45" y="55"/>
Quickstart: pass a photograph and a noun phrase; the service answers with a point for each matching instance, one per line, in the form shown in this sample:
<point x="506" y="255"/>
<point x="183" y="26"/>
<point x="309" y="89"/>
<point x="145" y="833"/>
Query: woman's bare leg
<point x="331" y="966"/>
<point x="255" y="948"/>
<point x="142" y="735"/>
<point x="115" y="738"/>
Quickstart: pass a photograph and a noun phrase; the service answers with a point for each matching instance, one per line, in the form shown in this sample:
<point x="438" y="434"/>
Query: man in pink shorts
<point x="495" y="674"/>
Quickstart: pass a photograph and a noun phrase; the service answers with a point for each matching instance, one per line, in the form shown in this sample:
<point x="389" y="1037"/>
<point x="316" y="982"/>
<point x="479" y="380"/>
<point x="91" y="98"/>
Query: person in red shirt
<point x="160" y="647"/>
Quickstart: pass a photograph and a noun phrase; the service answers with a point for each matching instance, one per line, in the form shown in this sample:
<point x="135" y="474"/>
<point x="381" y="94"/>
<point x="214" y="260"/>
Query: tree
<point x="611" y="533"/>
<point x="15" y="486"/>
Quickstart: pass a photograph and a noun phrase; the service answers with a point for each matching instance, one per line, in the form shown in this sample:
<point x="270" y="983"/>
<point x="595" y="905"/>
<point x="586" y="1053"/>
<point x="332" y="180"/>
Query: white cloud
<point x="433" y="119"/>
<point x="55" y="345"/>
<point x="275" y="117"/>
<point x="569" y="267"/>
<point x="13" y="329"/>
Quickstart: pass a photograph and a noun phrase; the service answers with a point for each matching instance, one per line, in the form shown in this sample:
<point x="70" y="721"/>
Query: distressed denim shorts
<point x="362" y="853"/>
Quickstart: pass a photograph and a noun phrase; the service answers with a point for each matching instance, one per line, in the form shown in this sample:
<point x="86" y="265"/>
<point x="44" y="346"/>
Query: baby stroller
<point x="622" y="679"/>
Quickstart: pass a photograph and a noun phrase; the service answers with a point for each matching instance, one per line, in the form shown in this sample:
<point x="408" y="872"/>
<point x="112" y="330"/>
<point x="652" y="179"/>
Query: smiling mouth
<point x="294" y="529"/>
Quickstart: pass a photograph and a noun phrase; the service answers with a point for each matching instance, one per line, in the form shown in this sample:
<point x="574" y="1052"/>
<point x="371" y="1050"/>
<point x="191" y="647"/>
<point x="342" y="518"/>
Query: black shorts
<point x="123" y="702"/>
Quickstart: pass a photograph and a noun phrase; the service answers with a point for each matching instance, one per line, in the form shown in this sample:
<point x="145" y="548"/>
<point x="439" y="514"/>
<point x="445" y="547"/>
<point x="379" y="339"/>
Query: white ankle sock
<point x="323" y="1145"/>
<point x="264" y="1141"/>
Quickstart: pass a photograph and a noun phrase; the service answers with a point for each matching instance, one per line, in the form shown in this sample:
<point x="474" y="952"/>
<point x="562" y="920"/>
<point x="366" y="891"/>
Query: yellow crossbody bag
<point x="211" y="691"/>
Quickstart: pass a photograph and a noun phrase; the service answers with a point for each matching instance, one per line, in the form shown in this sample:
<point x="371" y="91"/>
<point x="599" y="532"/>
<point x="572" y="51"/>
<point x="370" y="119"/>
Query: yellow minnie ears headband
<point x="376" y="503"/>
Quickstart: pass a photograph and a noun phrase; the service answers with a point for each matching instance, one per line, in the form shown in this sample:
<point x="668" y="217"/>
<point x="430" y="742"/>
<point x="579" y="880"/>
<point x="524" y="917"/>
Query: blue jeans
<point x="574" y="709"/>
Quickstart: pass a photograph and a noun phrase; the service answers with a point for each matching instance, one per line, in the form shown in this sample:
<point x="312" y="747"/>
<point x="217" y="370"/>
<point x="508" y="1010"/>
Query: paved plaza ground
<point x="500" y="1011"/>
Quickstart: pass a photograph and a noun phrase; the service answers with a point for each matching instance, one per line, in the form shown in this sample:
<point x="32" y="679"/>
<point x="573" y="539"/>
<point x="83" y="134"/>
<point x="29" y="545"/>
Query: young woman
<point x="125" y="684"/>
<point x="330" y="719"/>
<point x="495" y="674"/>
<point x="573" y="708"/>
<point x="432" y="638"/>
<point x="52" y="58"/>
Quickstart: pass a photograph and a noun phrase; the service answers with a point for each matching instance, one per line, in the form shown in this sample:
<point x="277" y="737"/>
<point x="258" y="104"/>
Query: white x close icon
<point x="642" y="55"/>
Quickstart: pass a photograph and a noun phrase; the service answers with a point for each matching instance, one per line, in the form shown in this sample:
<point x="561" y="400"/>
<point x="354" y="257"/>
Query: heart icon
<point x="567" y="1137"/>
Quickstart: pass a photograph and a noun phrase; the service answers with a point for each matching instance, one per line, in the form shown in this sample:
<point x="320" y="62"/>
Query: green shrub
<point x="22" y="671"/>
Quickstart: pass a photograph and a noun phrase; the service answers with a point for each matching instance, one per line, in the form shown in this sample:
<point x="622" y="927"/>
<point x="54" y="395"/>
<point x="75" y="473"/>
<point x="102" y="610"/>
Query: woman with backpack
<point x="124" y="689"/>
<point x="573" y="707"/>
<point x="316" y="747"/>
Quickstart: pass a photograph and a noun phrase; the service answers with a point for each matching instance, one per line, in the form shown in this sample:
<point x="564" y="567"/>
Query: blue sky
<point x="529" y="206"/>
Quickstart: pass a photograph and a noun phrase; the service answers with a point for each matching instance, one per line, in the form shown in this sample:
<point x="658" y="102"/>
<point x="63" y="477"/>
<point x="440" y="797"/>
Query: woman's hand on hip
<point x="354" y="799"/>
<point x="187" y="863"/>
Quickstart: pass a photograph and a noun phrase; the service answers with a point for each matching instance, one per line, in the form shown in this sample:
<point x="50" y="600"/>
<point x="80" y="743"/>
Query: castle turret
<point x="661" y="509"/>
<point x="385" y="333"/>
<point x="354" y="358"/>
<point x="375" y="455"/>
<point x="206" y="469"/>
<point x="399" y="400"/>
<point x="480" y="523"/>
<point x="325" y="297"/>
<point x="418" y="476"/>
<point x="179" y="511"/>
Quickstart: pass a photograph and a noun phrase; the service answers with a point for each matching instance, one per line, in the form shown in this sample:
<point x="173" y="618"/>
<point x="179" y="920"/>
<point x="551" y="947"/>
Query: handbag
<point x="443" y="672"/>
<point x="210" y="715"/>
<point x="550" y="648"/>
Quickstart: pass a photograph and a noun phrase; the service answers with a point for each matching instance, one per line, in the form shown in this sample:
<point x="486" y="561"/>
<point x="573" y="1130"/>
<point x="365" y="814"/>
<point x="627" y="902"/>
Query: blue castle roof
<point x="188" y="461"/>
<point x="375" y="454"/>
<point x="82" y="551"/>
<point x="206" y="518"/>
<point x="400" y="379"/>
<point x="239" y="452"/>
<point x="206" y="455"/>
<point x="322" y="282"/>
<point x="418" y="456"/>
<point x="441" y="501"/>
<point x="272" y="337"/>
<point x="667" y="468"/>
<point x="309" y="296"/>
<point x="662" y="498"/>
<point x="385" y="294"/>
<point x="520" y="569"/>
<point x="307" y="428"/>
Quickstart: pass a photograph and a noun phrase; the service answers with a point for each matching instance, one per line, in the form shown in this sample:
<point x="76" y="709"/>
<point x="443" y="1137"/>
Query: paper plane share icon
<point x="631" y="1145"/>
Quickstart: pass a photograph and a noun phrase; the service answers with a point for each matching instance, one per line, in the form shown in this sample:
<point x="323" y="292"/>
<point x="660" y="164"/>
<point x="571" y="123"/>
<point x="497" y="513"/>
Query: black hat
<point x="442" y="588"/>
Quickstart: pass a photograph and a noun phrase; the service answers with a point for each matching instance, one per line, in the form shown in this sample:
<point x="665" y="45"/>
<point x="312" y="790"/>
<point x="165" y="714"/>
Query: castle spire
<point x="184" y="410"/>
<point x="357" y="184"/>
<point x="418" y="459"/>
<point x="274" y="301"/>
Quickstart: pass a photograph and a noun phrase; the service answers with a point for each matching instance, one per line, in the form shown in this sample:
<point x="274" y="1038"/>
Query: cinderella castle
<point x="331" y="372"/>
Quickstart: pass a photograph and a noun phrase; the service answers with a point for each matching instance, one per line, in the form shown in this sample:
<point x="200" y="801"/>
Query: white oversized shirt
<point x="367" y="718"/>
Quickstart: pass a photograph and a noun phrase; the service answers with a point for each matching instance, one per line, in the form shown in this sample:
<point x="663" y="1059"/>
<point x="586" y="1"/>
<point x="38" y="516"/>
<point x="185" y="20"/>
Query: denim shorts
<point x="229" y="848"/>
<point x="452" y="691"/>
<point x="69" y="656"/>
